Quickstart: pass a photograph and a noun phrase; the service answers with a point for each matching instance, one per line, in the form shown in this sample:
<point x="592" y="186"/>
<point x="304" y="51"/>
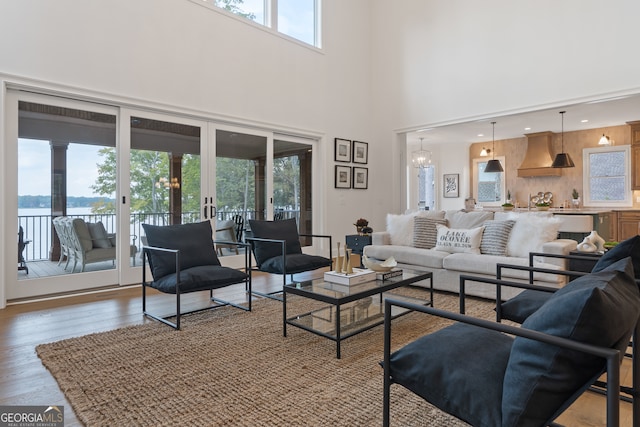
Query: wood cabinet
<point x="635" y="154"/>
<point x="628" y="224"/>
<point x="606" y="224"/>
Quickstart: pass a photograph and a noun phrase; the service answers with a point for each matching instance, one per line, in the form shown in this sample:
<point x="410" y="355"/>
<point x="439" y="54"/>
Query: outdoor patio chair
<point x="226" y="236"/>
<point x="182" y="259"/>
<point x="477" y="371"/>
<point x="277" y="250"/>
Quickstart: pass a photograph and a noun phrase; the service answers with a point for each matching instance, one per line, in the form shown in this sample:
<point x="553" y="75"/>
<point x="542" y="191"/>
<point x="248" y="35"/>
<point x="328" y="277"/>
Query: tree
<point x="233" y="7"/>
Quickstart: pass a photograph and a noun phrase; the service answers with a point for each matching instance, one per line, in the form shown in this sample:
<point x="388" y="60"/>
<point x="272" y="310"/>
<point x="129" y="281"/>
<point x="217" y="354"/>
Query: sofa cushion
<point x="82" y="233"/>
<point x="495" y="237"/>
<point x="99" y="235"/>
<point x="530" y="232"/>
<point x="407" y="255"/>
<point x="600" y="309"/>
<point x="193" y="240"/>
<point x="400" y="227"/>
<point x="464" y="219"/>
<point x="434" y="368"/>
<point x="486" y="265"/>
<point x="458" y="240"/>
<point x="425" y="231"/>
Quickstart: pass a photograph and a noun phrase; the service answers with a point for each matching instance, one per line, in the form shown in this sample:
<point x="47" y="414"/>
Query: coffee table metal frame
<point x="336" y="295"/>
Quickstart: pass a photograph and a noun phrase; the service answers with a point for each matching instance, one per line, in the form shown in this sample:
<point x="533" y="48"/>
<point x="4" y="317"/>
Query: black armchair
<point x="277" y="250"/>
<point x="182" y="259"/>
<point x="476" y="372"/>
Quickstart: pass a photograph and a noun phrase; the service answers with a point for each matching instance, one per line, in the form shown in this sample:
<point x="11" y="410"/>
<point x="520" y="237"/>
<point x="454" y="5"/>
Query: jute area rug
<point x="227" y="367"/>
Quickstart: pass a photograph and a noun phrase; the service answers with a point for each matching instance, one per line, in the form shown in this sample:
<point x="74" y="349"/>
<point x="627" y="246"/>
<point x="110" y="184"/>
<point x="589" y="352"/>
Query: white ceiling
<point x="600" y="114"/>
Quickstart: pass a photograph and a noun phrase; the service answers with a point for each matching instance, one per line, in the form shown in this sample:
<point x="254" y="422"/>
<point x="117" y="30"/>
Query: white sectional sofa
<point x="451" y="243"/>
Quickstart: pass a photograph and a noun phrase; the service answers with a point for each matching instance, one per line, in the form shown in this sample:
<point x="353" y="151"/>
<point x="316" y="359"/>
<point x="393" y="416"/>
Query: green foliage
<point x="232" y="6"/>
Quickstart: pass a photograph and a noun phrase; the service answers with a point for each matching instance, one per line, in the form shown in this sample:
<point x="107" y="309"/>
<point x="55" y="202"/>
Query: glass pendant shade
<point x="421" y="158"/>
<point x="494" y="166"/>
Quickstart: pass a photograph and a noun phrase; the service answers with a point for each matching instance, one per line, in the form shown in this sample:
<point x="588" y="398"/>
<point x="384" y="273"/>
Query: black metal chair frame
<point x="272" y="295"/>
<point x="239" y="222"/>
<point x="218" y="302"/>
<point x="612" y="356"/>
<point x="631" y="394"/>
<point x="22" y="244"/>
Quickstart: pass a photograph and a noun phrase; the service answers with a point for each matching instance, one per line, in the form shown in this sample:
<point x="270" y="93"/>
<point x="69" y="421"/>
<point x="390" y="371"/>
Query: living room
<point x="381" y="72"/>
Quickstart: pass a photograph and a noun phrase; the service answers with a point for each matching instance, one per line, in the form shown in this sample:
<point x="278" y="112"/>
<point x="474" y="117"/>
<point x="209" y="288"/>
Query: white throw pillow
<point x="530" y="232"/>
<point x="400" y="227"/>
<point x="459" y="240"/>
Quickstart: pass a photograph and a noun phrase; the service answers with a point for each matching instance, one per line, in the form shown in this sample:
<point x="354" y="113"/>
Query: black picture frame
<point x="343" y="176"/>
<point x="360" y="178"/>
<point x="360" y="152"/>
<point x="451" y="185"/>
<point x="342" y="150"/>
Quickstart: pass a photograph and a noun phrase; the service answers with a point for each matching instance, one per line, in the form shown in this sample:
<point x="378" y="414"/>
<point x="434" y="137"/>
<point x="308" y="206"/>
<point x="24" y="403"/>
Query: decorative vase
<point x="338" y="266"/>
<point x="597" y="240"/>
<point x="359" y="230"/>
<point x="575" y="203"/>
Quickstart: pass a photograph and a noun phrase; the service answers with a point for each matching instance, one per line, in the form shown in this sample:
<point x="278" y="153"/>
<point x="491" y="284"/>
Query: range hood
<point x="538" y="159"/>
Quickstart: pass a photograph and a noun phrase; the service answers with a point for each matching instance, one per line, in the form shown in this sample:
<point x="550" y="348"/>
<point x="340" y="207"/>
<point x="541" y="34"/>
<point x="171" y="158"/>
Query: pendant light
<point x="562" y="160"/>
<point x="421" y="158"/>
<point x="493" y="165"/>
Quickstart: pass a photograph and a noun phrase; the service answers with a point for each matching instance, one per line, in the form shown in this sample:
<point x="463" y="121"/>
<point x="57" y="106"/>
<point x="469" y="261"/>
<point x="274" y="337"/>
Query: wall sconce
<point x="605" y="140"/>
<point x="484" y="152"/>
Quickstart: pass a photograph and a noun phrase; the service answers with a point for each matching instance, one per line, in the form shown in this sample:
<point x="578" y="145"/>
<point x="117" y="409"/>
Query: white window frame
<point x="503" y="185"/>
<point x="586" y="174"/>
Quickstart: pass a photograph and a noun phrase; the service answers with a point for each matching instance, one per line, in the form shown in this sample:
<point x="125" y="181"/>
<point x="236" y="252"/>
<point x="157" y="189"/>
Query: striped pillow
<point x="495" y="237"/>
<point x="425" y="232"/>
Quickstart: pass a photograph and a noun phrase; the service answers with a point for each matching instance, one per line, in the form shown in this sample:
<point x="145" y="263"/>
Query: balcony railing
<point x="38" y="229"/>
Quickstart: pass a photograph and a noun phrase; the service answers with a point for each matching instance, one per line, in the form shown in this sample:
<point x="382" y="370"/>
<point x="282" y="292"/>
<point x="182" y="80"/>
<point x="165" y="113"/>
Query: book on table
<point x="358" y="276"/>
<point x="386" y="275"/>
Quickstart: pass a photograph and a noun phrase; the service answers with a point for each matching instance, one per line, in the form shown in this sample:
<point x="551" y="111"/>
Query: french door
<point x="116" y="168"/>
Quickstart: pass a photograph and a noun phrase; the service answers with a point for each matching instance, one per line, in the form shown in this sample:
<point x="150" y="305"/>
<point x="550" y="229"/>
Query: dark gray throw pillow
<point x="626" y="248"/>
<point x="286" y="229"/>
<point x="194" y="242"/>
<point x="600" y="309"/>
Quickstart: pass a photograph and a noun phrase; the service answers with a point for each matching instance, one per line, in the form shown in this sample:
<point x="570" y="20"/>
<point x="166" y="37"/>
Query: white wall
<point x="439" y="62"/>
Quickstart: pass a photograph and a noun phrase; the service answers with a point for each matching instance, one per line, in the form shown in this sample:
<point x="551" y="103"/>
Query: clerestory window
<point x="299" y="19"/>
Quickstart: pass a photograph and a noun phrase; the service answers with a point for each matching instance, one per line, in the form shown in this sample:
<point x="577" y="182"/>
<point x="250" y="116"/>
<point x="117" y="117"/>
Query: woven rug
<point x="232" y="368"/>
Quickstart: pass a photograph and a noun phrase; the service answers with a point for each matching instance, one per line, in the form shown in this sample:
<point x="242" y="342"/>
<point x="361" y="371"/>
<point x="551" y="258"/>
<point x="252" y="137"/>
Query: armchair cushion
<point x="194" y="242"/>
<point x="286" y="229"/>
<point x="626" y="248"/>
<point x="524" y="305"/>
<point x="601" y="309"/>
<point x="296" y="263"/>
<point x="200" y="278"/>
<point x="99" y="235"/>
<point x="448" y="378"/>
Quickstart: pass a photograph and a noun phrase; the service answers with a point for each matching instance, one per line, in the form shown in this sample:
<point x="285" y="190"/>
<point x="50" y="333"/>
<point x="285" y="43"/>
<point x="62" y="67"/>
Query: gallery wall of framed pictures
<point x="348" y="151"/>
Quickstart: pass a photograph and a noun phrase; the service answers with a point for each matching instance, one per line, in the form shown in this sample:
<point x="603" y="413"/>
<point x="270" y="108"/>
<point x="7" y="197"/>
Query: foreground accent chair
<point x="182" y="259"/>
<point x="477" y="371"/>
<point x="277" y="250"/>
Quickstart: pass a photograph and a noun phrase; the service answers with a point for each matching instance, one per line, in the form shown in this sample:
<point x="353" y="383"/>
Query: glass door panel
<point x="292" y="184"/>
<point x="165" y="174"/>
<point x="58" y="146"/>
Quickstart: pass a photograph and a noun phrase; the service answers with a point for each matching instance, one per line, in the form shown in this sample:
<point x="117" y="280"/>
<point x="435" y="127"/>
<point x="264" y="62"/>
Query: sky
<point x="34" y="168"/>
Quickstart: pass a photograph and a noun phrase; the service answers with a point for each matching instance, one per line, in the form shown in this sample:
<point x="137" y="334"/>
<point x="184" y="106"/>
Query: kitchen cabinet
<point x="628" y="224"/>
<point x="606" y="225"/>
<point x="635" y="154"/>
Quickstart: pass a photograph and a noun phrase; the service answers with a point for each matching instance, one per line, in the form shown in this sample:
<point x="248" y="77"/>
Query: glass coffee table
<point x="348" y="310"/>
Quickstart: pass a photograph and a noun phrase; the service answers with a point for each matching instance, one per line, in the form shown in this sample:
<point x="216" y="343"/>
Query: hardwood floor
<point x="24" y="381"/>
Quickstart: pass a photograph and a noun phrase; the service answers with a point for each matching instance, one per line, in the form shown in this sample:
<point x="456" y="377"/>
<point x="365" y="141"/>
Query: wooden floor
<point x="24" y="381"/>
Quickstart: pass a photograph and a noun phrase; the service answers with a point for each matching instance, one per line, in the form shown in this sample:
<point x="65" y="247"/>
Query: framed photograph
<point x="343" y="150"/>
<point x="451" y="185"/>
<point x="360" y="178"/>
<point x="360" y="152"/>
<point x="343" y="176"/>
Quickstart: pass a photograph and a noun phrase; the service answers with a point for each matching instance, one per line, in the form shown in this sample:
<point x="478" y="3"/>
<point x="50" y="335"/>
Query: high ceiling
<point x="600" y="114"/>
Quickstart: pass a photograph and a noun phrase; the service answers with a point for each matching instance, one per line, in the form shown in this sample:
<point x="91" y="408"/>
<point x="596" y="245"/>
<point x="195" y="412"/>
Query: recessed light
<point x="527" y="128"/>
<point x="481" y="134"/>
<point x="584" y="120"/>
